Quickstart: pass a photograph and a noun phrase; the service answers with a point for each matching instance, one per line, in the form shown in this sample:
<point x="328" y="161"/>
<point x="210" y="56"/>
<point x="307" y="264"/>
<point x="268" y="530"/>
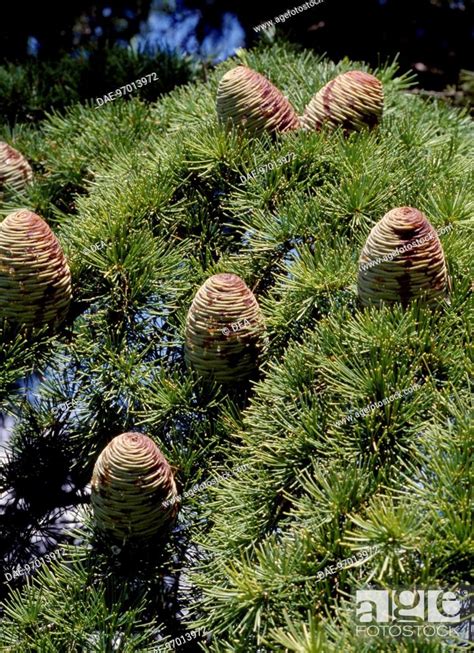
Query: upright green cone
<point x="35" y="281"/>
<point x="15" y="171"/>
<point x="402" y="260"/>
<point x="134" y="494"/>
<point x="352" y="100"/>
<point x="246" y="98"/>
<point x="224" y="330"/>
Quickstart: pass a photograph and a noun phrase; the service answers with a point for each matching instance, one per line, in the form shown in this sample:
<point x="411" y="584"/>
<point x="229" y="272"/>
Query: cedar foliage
<point x="148" y="201"/>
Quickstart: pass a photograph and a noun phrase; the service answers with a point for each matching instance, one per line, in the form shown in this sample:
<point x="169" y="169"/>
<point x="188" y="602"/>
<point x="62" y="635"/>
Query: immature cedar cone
<point x="247" y="98"/>
<point x="352" y="100"/>
<point x="402" y="260"/>
<point x="15" y="171"/>
<point x="35" y="281"/>
<point x="224" y="330"/>
<point x="134" y="495"/>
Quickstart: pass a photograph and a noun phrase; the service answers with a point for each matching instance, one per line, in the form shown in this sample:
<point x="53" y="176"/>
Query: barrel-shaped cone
<point x="244" y="97"/>
<point x="352" y="100"/>
<point x="134" y="494"/>
<point x="35" y="281"/>
<point x="15" y="171"/>
<point x="402" y="260"/>
<point x="224" y="330"/>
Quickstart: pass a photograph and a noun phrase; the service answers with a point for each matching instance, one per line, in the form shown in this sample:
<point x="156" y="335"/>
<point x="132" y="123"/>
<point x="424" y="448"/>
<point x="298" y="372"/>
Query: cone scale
<point x="402" y="260"/>
<point x="352" y="100"/>
<point x="244" y="97"/>
<point x="35" y="281"/>
<point x="224" y="330"/>
<point x="134" y="494"/>
<point x="15" y="171"/>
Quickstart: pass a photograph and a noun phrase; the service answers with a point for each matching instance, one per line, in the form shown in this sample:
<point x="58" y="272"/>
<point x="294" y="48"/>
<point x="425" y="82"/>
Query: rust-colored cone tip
<point x="134" y="494"/>
<point x="224" y="330"/>
<point x="246" y="98"/>
<point x="402" y="260"/>
<point x="35" y="281"/>
<point x="352" y="100"/>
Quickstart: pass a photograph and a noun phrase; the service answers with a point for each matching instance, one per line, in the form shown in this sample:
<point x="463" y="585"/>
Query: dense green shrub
<point x="149" y="201"/>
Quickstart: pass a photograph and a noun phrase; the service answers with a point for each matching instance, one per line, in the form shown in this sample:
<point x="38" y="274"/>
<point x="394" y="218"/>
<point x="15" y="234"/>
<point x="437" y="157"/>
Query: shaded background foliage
<point x="433" y="37"/>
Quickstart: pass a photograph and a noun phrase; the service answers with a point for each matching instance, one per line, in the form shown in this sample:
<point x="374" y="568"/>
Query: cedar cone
<point x="224" y="330"/>
<point x="247" y="98"/>
<point x="352" y="100"/>
<point x="134" y="494"/>
<point x="35" y="281"/>
<point x="414" y="265"/>
<point x="15" y="171"/>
